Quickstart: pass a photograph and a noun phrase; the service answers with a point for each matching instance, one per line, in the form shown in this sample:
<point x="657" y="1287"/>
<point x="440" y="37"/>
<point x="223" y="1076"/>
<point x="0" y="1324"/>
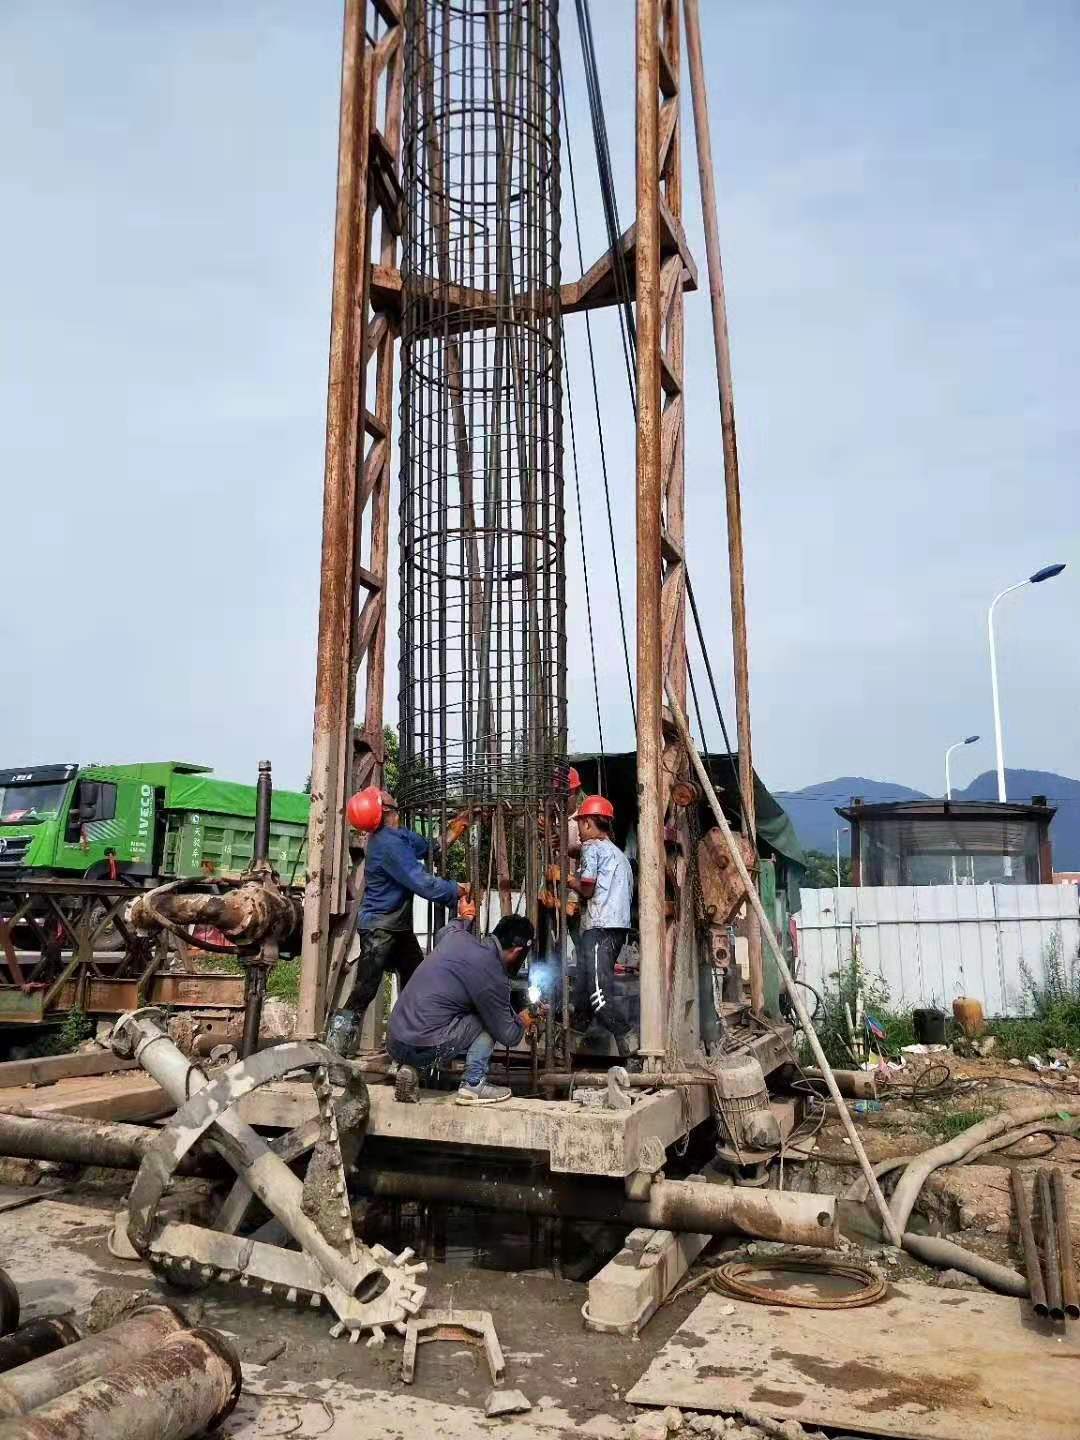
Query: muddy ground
<point x="300" y="1382"/>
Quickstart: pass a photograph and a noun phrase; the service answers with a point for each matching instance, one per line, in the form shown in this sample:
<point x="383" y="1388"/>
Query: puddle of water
<point x="466" y="1238"/>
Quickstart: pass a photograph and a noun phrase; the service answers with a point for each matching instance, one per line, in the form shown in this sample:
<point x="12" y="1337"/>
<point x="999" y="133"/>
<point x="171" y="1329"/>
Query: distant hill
<point x="812" y="810"/>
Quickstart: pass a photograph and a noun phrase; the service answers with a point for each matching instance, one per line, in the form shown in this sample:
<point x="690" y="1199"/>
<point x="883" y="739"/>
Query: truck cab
<point x="159" y="819"/>
<point x="35" y="805"/>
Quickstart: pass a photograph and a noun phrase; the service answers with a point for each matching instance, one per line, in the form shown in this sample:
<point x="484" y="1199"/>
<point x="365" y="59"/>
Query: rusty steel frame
<point x="661" y="498"/>
<point x="732" y="492"/>
<point x="356" y="494"/>
<point x="366" y="319"/>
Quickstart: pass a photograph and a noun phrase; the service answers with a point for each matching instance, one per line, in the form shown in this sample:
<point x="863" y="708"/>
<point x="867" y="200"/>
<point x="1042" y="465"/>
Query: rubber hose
<point x="914" y="1177"/>
<point x="948" y="1255"/>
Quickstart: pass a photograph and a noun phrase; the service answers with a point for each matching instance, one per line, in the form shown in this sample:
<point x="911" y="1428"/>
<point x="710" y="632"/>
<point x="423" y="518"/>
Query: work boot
<point x="343" y="1033"/>
<point x="482" y="1094"/>
<point x="407" y="1086"/>
<point x="627" y="1046"/>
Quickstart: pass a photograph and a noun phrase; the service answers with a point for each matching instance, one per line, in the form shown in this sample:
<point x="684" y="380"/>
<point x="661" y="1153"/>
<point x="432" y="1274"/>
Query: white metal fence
<point x="931" y="943"/>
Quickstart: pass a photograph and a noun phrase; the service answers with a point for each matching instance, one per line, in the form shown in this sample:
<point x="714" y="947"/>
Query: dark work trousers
<point x="380" y="951"/>
<point x="595" y="996"/>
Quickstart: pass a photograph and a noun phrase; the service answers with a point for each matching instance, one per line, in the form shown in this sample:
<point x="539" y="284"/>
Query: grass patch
<point x="1054" y="1001"/>
<point x="841" y="998"/>
<point x="947" y="1124"/>
<point x="284" y="981"/>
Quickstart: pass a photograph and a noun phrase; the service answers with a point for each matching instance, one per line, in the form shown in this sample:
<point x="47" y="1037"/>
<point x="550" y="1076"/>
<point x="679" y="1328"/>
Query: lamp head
<point x="1046" y="573"/>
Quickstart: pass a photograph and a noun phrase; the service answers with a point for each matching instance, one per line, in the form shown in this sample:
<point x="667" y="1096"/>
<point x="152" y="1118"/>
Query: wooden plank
<point x="61" y="1067"/>
<point x="923" y="1364"/>
<point x="113" y="1097"/>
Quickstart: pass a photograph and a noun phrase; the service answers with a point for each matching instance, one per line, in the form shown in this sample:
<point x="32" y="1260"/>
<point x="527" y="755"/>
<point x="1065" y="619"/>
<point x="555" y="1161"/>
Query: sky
<point x="900" y="224"/>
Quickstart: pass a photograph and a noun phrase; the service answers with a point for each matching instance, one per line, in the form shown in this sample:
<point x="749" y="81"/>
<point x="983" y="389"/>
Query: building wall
<point x="931" y="943"/>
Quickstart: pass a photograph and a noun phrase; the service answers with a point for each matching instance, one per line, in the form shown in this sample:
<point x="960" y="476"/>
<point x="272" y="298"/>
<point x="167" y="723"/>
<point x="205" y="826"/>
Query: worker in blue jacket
<point x="393" y="874"/>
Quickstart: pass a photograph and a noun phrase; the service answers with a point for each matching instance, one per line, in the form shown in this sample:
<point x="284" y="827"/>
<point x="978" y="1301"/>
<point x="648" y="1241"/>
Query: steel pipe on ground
<point x="189" y="1385"/>
<point x="1051" y="1255"/>
<point x="39" y="1337"/>
<point x="42" y="1379"/>
<point x="1069" y="1298"/>
<point x="855" y="1083"/>
<point x="43" y="1135"/>
<point x="1032" y="1263"/>
<point x="681" y="1205"/>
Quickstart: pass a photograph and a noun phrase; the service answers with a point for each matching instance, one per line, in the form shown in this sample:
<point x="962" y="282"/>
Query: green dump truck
<point x="156" y="821"/>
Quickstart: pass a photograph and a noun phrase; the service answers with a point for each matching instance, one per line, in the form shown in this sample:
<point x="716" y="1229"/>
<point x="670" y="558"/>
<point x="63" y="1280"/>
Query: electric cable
<point x="599" y="419"/>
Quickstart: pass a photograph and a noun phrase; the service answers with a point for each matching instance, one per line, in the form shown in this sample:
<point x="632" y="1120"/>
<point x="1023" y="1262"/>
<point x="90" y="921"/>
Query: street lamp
<point x="958" y="746"/>
<point x="1046" y="573"/>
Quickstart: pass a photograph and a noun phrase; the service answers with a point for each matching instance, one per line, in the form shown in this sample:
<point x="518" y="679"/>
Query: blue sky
<point x="900" y="221"/>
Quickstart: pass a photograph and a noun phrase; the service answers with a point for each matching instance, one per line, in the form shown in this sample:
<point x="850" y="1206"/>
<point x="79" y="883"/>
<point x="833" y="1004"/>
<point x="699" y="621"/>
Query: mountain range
<point x="812" y="809"/>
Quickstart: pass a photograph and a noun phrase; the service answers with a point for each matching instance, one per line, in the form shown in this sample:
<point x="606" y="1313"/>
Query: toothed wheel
<point x="370" y="1289"/>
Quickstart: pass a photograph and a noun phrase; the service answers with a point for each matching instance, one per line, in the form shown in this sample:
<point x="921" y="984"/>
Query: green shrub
<point x="832" y="1025"/>
<point x="1054" y="1002"/>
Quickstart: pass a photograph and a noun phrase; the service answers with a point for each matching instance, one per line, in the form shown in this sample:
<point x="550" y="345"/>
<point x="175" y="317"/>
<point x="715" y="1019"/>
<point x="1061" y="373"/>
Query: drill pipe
<point x="1069" y="1296"/>
<point x="685" y="1205"/>
<point x="43" y="1135"/>
<point x="39" y="1337"/>
<point x="41" y="1380"/>
<point x="1050" y="1249"/>
<point x="855" y="1083"/>
<point x="1032" y="1263"/>
<point x="189" y="1385"/>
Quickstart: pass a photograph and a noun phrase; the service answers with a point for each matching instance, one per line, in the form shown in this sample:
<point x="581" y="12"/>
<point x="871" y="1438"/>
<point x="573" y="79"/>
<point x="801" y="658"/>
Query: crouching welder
<point x="458" y="1002"/>
<point x="393" y="874"/>
<point x="606" y="882"/>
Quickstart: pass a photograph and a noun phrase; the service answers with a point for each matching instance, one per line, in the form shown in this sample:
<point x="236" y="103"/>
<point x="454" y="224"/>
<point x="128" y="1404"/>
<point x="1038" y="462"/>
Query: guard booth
<point x="950" y="842"/>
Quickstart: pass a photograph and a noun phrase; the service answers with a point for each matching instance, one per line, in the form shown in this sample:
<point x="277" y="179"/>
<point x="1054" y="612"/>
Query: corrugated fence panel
<point x="931" y="943"/>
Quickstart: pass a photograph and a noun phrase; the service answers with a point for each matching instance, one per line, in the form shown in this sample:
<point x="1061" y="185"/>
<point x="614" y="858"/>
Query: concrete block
<point x="626" y="1293"/>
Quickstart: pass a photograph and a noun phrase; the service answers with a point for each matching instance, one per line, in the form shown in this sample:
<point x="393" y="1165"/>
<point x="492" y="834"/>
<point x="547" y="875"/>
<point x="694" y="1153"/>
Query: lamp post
<point x="1046" y="573"/>
<point x="970" y="740"/>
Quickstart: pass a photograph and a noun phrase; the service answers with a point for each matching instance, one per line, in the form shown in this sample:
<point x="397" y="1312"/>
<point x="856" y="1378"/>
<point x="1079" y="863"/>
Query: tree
<point x="392" y="760"/>
<point x="821" y="870"/>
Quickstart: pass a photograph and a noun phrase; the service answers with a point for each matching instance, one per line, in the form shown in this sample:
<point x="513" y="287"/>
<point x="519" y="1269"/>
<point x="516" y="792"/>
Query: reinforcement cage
<point x="482" y="685"/>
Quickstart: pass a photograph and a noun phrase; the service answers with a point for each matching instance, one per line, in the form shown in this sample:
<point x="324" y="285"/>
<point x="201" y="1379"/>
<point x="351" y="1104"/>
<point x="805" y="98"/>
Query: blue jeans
<point x="465" y="1035"/>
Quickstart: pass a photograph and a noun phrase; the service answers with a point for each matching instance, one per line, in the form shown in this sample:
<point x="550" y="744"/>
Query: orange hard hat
<point x="364" y="810"/>
<point x="596" y="805"/>
<point x="573" y="779"/>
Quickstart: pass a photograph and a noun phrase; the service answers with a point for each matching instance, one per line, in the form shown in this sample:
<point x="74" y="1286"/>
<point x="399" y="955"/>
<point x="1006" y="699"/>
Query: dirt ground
<point x="301" y="1382"/>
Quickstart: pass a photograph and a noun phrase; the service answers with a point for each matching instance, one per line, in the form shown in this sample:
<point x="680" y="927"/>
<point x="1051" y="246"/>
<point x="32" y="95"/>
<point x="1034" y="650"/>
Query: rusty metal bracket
<point x="468" y="1327"/>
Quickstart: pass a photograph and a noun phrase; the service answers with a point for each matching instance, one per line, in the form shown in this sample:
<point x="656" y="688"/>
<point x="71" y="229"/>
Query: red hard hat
<point x="364" y="810"/>
<point x="573" y="779"/>
<point x="596" y="805"/>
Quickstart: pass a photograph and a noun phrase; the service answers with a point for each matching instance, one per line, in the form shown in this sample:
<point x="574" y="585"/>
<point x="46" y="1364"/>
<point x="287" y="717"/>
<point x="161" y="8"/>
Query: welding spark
<point x="534" y="994"/>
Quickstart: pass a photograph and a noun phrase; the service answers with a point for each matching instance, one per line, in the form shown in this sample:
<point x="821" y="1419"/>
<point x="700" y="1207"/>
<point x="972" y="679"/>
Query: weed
<point x="76" y="1028"/>
<point x="1054" y="1002"/>
<point x="842" y="998"/>
<point x="947" y="1124"/>
<point x="284" y="981"/>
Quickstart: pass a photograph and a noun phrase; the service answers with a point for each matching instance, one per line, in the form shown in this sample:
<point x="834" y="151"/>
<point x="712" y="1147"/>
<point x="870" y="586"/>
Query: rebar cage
<point x="482" y="630"/>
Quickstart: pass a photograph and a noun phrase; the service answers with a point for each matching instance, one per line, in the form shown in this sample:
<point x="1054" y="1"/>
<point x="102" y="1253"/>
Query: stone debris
<point x="956" y="1280"/>
<point x="650" y="1426"/>
<point x="506" y="1402"/>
